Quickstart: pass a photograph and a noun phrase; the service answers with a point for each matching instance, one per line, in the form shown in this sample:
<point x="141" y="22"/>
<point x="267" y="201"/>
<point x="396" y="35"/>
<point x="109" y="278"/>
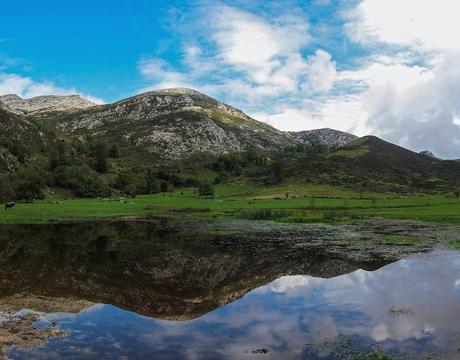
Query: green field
<point x="305" y="203"/>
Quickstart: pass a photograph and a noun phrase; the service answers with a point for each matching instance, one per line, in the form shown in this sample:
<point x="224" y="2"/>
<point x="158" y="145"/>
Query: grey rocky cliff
<point x="4" y="107"/>
<point x="324" y="136"/>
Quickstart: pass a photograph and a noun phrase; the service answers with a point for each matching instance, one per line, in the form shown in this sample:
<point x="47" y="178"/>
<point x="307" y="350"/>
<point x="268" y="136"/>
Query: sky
<point x="388" y="68"/>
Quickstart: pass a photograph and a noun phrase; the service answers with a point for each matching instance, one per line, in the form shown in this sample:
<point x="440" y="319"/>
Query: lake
<point x="141" y="291"/>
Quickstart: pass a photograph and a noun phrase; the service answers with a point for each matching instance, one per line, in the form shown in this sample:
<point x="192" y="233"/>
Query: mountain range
<point x="170" y="124"/>
<point x="161" y="126"/>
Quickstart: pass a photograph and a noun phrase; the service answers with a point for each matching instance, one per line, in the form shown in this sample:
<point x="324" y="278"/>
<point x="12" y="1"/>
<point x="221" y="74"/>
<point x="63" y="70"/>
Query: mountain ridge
<point x="46" y="103"/>
<point x="323" y="136"/>
<point x="171" y="124"/>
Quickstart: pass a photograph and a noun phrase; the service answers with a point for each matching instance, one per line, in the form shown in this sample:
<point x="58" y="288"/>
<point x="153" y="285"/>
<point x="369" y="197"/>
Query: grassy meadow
<point x="288" y="202"/>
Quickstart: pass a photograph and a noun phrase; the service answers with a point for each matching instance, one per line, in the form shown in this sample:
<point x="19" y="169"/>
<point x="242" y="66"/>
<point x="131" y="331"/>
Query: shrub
<point x="29" y="184"/>
<point x="206" y="189"/>
<point x="131" y="190"/>
<point x="114" y="151"/>
<point x="153" y="185"/>
<point x="84" y="181"/>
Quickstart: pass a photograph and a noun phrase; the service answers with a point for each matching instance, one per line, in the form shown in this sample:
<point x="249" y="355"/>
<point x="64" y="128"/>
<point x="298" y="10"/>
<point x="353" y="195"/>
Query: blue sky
<point x="389" y="68"/>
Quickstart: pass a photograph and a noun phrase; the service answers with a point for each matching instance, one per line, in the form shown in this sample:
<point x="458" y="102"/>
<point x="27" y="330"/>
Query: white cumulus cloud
<point x="413" y="104"/>
<point x="430" y="23"/>
<point x="262" y="57"/>
<point x="26" y="87"/>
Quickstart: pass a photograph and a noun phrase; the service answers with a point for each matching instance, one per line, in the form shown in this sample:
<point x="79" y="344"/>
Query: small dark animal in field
<point x="9" y="205"/>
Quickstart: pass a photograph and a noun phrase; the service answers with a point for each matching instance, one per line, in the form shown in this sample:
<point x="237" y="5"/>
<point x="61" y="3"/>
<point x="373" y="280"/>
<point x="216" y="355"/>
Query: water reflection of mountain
<point x="143" y="267"/>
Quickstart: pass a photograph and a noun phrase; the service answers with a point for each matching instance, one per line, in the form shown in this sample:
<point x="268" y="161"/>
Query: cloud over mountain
<point x="411" y="94"/>
<point x="247" y="58"/>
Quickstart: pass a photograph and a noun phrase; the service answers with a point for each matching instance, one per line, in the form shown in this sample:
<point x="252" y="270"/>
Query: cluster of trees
<point x="234" y="162"/>
<point x="30" y="182"/>
<point x="270" y="168"/>
<point x="230" y="165"/>
<point x="89" y="151"/>
<point x="27" y="184"/>
<point x="89" y="167"/>
<point x="86" y="166"/>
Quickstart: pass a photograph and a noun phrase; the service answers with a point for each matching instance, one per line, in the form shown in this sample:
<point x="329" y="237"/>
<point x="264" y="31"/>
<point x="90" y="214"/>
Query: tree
<point x="29" y="184"/>
<point x="80" y="146"/>
<point x="130" y="183"/>
<point x="206" y="189"/>
<point x="130" y="190"/>
<point x="59" y="157"/>
<point x="101" y="154"/>
<point x="6" y="189"/>
<point x="163" y="186"/>
<point x="153" y="185"/>
<point x="275" y="172"/>
<point x="114" y="151"/>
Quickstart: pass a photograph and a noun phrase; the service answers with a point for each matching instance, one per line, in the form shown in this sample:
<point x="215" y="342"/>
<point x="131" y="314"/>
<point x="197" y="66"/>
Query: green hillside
<point x="372" y="164"/>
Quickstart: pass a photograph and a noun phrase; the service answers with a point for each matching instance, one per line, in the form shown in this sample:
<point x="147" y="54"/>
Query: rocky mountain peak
<point x="47" y="103"/>
<point x="169" y="101"/>
<point x="324" y="136"/>
<point x="179" y="91"/>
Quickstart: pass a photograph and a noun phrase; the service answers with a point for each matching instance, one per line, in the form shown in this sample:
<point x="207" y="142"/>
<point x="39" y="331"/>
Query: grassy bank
<point x="304" y="203"/>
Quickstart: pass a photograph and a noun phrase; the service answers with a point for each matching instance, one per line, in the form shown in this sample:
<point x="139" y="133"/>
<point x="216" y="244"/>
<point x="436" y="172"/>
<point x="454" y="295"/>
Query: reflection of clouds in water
<point x="457" y="286"/>
<point x="62" y="316"/>
<point x="94" y="308"/>
<point x="285" y="283"/>
<point x="322" y="328"/>
<point x="429" y="287"/>
<point x="295" y="310"/>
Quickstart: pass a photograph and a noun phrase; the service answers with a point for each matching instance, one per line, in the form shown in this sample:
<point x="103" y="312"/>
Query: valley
<point x="229" y="180"/>
<point x="179" y="139"/>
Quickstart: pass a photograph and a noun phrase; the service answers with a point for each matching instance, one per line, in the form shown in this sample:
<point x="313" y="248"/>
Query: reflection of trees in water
<point x="146" y="267"/>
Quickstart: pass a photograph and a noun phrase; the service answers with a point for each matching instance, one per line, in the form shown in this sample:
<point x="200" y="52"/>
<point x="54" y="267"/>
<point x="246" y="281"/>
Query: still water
<point x="408" y="309"/>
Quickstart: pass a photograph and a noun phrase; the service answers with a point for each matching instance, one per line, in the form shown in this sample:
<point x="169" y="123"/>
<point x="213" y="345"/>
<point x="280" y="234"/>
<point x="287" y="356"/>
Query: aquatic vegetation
<point x="455" y="244"/>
